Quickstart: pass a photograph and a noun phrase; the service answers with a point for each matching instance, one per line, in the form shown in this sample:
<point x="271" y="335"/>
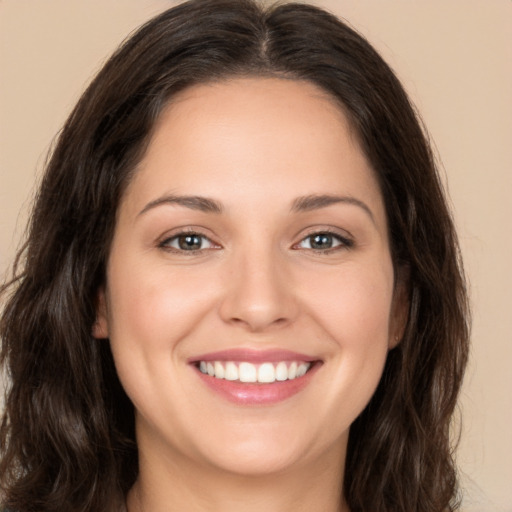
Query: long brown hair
<point x="67" y="434"/>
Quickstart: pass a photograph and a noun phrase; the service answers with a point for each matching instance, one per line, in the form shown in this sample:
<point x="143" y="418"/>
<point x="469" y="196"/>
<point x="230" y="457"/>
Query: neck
<point x="180" y="485"/>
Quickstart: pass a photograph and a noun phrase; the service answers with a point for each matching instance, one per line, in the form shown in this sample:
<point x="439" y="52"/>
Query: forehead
<point x="275" y="136"/>
<point x="263" y="105"/>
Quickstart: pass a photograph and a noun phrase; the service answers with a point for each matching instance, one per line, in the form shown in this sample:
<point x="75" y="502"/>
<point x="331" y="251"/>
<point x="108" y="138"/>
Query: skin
<point x="254" y="146"/>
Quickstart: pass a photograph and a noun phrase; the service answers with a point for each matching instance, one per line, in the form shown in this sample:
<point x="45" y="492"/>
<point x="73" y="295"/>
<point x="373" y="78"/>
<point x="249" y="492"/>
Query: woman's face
<point x="250" y="247"/>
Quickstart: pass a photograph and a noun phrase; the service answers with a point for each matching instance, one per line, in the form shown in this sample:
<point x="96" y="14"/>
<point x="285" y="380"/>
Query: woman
<point x="241" y="286"/>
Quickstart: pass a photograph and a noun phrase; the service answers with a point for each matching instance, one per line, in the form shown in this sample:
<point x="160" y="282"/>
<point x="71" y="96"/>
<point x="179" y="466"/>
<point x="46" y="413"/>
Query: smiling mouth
<point x="262" y="373"/>
<point x="249" y="377"/>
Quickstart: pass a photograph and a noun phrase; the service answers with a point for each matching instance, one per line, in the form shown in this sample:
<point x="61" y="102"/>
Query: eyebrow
<point x="300" y="204"/>
<point x="316" y="202"/>
<point x="203" y="204"/>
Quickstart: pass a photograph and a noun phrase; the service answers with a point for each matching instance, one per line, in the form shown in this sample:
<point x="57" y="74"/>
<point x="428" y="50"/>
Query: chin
<point x="256" y="461"/>
<point x="270" y="452"/>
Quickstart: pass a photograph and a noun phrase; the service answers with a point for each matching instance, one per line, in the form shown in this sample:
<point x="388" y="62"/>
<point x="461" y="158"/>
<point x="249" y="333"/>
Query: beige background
<point x="454" y="57"/>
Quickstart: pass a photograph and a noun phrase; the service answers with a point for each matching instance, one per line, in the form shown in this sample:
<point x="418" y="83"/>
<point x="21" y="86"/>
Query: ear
<point x="100" y="326"/>
<point x="399" y="307"/>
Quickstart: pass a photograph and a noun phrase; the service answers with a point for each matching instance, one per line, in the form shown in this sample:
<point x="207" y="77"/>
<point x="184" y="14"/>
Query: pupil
<point x="189" y="242"/>
<point x="321" y="241"/>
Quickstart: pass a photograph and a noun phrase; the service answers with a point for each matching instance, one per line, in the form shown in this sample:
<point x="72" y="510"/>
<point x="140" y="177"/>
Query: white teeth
<point x="231" y="371"/>
<point x="302" y="369"/>
<point x="281" y="371"/>
<point x="292" y="371"/>
<point x="249" y="372"/>
<point x="266" y="373"/>
<point x="219" y="370"/>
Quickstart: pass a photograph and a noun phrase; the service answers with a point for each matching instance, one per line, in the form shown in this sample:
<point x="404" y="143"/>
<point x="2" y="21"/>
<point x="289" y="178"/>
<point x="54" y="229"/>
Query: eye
<point x="324" y="241"/>
<point x="189" y="242"/>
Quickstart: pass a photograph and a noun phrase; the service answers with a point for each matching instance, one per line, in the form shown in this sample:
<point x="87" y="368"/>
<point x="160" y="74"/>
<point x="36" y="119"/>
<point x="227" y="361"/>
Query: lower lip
<point x="243" y="393"/>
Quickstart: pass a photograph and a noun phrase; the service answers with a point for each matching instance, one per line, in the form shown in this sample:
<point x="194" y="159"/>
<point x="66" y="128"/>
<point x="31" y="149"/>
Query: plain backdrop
<point x="454" y="58"/>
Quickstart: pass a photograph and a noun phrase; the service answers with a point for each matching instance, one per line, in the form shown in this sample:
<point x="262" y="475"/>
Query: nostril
<point x="259" y="323"/>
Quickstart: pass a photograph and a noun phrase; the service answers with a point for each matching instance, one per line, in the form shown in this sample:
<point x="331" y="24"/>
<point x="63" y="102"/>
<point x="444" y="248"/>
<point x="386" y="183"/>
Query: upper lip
<point x="253" y="356"/>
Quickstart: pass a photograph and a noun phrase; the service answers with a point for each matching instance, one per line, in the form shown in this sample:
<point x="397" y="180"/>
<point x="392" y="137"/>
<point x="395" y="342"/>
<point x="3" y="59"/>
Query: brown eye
<point x="190" y="242"/>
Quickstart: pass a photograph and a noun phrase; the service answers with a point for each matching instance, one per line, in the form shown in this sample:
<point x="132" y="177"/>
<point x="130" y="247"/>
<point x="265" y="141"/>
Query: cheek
<point x="153" y="307"/>
<point x="353" y="311"/>
<point x="353" y="304"/>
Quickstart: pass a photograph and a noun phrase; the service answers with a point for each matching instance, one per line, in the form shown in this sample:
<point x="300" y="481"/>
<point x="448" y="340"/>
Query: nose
<point x="258" y="293"/>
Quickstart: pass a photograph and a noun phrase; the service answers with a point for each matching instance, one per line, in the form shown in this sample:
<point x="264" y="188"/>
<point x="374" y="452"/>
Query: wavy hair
<point x="67" y="433"/>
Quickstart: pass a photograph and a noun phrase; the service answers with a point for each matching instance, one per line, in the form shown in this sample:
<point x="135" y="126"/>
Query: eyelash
<point x="343" y="242"/>
<point x="166" y="243"/>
